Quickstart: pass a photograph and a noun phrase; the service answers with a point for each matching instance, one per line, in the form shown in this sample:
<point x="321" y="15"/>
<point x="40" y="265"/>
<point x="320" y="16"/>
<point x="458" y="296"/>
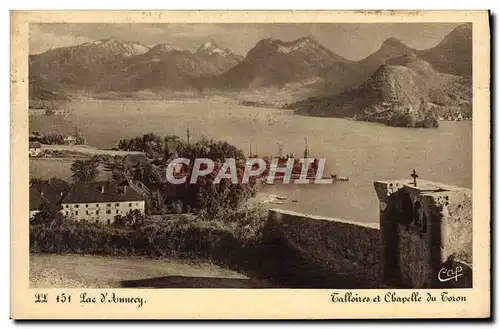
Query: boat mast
<point x="280" y="149"/>
<point x="306" y="150"/>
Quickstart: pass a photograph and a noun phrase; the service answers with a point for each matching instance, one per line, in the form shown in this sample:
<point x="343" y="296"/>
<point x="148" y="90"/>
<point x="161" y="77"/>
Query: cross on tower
<point x="391" y="187"/>
<point x="415" y="176"/>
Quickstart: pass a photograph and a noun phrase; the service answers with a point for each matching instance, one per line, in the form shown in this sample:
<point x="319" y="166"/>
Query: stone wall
<point x="321" y="252"/>
<point x="426" y="229"/>
<point x="456" y="237"/>
<point x="412" y="256"/>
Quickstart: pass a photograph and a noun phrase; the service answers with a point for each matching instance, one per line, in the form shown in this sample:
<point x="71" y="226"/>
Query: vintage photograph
<point x="385" y="108"/>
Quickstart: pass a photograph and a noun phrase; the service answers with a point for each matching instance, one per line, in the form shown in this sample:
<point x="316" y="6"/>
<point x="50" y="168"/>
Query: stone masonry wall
<point x="324" y="252"/>
<point x="411" y="256"/>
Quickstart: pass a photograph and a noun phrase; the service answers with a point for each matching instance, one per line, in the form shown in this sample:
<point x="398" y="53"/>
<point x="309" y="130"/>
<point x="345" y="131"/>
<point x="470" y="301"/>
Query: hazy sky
<point x="351" y="40"/>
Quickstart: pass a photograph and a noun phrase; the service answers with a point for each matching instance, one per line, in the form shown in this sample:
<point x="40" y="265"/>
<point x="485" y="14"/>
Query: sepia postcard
<point x="250" y="164"/>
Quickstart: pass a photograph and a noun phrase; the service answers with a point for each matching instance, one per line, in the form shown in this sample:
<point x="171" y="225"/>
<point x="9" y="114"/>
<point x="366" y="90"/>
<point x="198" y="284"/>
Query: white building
<point x="101" y="201"/>
<point x="70" y="140"/>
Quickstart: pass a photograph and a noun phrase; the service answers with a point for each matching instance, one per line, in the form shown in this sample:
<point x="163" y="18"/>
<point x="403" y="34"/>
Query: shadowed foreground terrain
<point x="76" y="271"/>
<point x="177" y="281"/>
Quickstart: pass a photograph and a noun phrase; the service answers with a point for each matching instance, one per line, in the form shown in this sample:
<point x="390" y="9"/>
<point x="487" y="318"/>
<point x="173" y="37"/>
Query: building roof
<point x="35" y="145"/>
<point x="104" y="191"/>
<point x="36" y="199"/>
<point x="53" y="190"/>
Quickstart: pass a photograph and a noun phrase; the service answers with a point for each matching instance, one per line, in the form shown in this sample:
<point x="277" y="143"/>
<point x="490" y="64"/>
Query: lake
<point x="364" y="152"/>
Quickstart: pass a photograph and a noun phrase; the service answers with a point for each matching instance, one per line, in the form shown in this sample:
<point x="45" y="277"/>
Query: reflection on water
<point x="363" y="151"/>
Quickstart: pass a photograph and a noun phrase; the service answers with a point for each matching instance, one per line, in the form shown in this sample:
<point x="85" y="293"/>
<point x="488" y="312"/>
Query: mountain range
<point x="274" y="62"/>
<point x="109" y="64"/>
<point x="395" y="73"/>
<point x="112" y="65"/>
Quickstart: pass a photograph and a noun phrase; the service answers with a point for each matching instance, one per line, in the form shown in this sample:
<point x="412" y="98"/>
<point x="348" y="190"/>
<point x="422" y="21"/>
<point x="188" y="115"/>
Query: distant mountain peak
<point x="393" y="43"/>
<point x="407" y="57"/>
<point x="211" y="48"/>
<point x="105" y="41"/>
<point x="411" y="55"/>
<point x="412" y="61"/>
<point x="462" y="34"/>
<point x="464" y="29"/>
<point x="273" y="62"/>
<point x="289" y="46"/>
<point x="454" y="53"/>
<point x="208" y="46"/>
<point x="390" y="48"/>
<point x="163" y="48"/>
<point x="100" y="43"/>
<point x="308" y="38"/>
<point x="128" y="48"/>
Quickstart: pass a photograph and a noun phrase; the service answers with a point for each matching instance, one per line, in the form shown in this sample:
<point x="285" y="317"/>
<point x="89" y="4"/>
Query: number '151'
<point x="62" y="298"/>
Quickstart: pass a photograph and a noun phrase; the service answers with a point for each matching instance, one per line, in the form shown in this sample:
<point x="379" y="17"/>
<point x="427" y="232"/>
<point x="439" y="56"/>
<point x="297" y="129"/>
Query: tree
<point x="36" y="182"/>
<point x="117" y="175"/>
<point x="49" y="214"/>
<point x="84" y="170"/>
<point x="157" y="199"/>
<point x="133" y="218"/>
<point x="151" y="144"/>
<point x="53" y="139"/>
<point x="150" y="176"/>
<point x="176" y="206"/>
<point x="204" y="194"/>
<point x="80" y="140"/>
<point x="138" y="172"/>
